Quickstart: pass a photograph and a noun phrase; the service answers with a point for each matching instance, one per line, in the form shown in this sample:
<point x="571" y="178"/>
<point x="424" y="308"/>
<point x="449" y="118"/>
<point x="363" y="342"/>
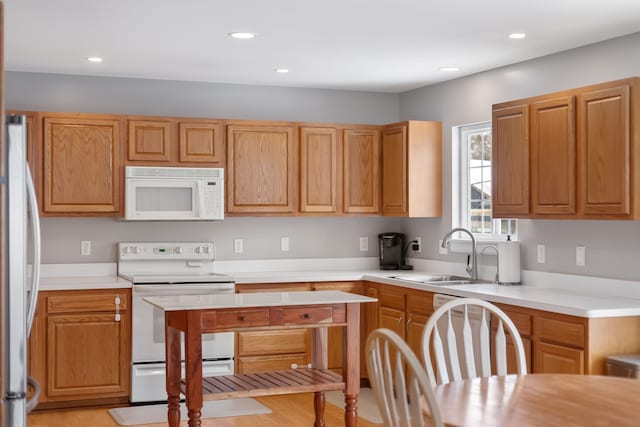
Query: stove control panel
<point x="158" y="251"/>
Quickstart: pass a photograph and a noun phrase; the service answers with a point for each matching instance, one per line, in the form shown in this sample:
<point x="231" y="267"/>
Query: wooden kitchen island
<point x="195" y="315"/>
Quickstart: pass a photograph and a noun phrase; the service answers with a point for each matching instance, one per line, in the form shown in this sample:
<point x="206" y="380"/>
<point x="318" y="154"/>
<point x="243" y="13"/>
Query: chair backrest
<point x="399" y="396"/>
<point x="457" y="339"/>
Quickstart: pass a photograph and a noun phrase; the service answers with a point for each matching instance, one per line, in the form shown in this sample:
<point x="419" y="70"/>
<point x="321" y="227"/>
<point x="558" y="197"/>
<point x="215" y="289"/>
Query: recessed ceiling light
<point x="449" y="69"/>
<point x="281" y="70"/>
<point x="94" y="59"/>
<point x="242" y="35"/>
<point x="517" y="36"/>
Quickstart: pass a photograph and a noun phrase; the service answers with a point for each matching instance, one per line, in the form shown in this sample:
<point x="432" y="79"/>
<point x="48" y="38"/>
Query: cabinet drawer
<point x="521" y="320"/>
<point x="353" y="287"/>
<point x="272" y="287"/>
<point x="307" y="315"/>
<point x="87" y="301"/>
<point x="254" y="343"/>
<point x="249" y="365"/>
<point x="242" y="318"/>
<point x="559" y="331"/>
<point x="392" y="299"/>
<point x="420" y="304"/>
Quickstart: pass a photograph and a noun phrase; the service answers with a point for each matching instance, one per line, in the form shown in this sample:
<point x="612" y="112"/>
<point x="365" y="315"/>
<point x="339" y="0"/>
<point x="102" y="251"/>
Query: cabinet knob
<point x="242" y="318"/>
<point x="307" y="316"/>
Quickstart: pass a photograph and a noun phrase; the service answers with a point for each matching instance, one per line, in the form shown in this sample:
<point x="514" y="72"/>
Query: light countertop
<point x="572" y="300"/>
<point x="263" y="299"/>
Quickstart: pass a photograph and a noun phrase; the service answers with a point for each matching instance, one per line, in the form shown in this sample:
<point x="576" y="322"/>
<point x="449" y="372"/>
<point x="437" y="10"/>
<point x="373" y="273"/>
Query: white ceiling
<point x="372" y="45"/>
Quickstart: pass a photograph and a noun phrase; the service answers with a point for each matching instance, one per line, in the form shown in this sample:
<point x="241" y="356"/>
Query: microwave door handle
<point x="198" y="200"/>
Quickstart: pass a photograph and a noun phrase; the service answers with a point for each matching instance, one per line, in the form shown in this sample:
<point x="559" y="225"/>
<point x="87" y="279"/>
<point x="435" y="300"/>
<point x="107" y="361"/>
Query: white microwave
<point x="173" y="193"/>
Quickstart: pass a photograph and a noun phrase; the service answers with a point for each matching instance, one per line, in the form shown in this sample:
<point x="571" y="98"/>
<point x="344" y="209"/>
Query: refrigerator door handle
<point x="35" y="224"/>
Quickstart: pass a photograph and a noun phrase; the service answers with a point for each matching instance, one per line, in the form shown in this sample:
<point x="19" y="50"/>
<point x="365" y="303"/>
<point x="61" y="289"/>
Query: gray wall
<point x="309" y="237"/>
<point x="612" y="247"/>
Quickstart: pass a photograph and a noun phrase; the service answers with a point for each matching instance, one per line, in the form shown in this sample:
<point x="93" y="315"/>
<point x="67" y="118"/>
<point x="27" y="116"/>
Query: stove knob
<point x="205" y="249"/>
<point x="197" y="249"/>
<point x="179" y="250"/>
<point x="126" y="250"/>
<point x="135" y="250"/>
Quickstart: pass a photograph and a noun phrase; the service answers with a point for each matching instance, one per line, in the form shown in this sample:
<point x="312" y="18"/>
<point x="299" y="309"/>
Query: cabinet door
<point x="415" y="326"/>
<point x="604" y="146"/>
<point x="149" y="141"/>
<point x="361" y="166"/>
<point x="81" y="165"/>
<point x="553" y="156"/>
<point x="318" y="169"/>
<point x="261" y="161"/>
<point x="201" y="142"/>
<point x="510" y="156"/>
<point x="394" y="171"/>
<point x="393" y="319"/>
<point x="88" y="356"/>
<point x="556" y="359"/>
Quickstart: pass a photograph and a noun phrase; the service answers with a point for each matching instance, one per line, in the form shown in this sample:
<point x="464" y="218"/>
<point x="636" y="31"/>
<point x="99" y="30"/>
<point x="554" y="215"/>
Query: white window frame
<point x="460" y="185"/>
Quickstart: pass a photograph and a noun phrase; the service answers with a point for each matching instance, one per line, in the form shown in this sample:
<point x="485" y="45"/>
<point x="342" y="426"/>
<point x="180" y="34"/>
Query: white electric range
<point x="169" y="269"/>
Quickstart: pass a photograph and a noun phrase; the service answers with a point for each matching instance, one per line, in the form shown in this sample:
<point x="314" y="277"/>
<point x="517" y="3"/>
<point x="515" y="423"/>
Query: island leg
<point x="319" y="361"/>
<point x="193" y="367"/>
<point x="172" y="352"/>
<point x="351" y="364"/>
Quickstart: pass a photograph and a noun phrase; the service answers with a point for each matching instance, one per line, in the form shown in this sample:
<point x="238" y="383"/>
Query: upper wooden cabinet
<point x="412" y="169"/>
<point x="175" y="142"/>
<point x="201" y="142"/>
<point x="81" y="163"/>
<point x="553" y="156"/>
<point x="262" y="163"/>
<point x="510" y="154"/>
<point x="605" y="151"/>
<point x="320" y="160"/>
<point x="149" y="141"/>
<point x="585" y="154"/>
<point x="361" y="168"/>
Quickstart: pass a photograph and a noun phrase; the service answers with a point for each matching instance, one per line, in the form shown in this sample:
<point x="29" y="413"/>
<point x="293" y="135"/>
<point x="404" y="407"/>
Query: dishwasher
<point x="457" y="319"/>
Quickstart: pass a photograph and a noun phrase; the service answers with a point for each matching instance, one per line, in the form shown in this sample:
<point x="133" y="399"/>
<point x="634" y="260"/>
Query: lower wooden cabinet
<point x="80" y="346"/>
<point x="557" y="359"/>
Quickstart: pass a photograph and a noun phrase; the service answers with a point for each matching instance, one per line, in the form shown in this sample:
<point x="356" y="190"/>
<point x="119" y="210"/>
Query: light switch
<point x="364" y="243"/>
<point x="284" y="244"/>
<point x="541" y="254"/>
<point x="581" y="253"/>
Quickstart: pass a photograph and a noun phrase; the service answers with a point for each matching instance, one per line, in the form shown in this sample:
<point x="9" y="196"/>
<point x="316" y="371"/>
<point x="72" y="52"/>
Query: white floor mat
<point x="149" y="414"/>
<point x="367" y="406"/>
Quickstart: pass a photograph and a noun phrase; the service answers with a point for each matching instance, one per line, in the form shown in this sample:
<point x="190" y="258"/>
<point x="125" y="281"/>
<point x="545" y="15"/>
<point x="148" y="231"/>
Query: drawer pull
<point x="307" y="316"/>
<point x="242" y="318"/>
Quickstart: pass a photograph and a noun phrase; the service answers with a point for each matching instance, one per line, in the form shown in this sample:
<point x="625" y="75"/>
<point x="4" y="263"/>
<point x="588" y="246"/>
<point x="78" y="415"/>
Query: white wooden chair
<point x="455" y="353"/>
<point x="401" y="398"/>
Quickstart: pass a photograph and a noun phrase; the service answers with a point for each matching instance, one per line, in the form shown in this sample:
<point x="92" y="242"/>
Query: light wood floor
<point x="295" y="410"/>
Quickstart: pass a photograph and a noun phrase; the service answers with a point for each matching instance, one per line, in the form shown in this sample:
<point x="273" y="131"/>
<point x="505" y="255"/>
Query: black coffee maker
<point x="392" y="251"/>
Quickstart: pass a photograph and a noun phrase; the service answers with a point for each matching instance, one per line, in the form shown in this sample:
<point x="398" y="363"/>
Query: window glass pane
<point x="474" y="191"/>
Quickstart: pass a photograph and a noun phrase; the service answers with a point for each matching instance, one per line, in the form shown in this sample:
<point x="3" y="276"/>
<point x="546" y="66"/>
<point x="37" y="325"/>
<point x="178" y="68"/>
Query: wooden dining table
<point x="538" y="400"/>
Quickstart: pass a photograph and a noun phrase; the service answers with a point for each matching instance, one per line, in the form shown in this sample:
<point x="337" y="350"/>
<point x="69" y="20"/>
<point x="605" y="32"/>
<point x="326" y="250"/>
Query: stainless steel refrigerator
<point x="19" y="267"/>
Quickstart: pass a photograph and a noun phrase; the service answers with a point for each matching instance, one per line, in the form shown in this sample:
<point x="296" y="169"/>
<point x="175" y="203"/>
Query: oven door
<point x="148" y="323"/>
<point x="163" y="199"/>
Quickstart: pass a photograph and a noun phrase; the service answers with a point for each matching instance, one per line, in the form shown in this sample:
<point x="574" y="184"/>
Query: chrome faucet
<point x="473" y="270"/>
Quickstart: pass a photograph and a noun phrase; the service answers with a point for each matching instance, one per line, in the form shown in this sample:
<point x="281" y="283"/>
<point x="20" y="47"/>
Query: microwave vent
<point x="169" y="172"/>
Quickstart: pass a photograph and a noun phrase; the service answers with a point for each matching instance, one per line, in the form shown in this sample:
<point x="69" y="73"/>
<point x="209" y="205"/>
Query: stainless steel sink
<point x="439" y="280"/>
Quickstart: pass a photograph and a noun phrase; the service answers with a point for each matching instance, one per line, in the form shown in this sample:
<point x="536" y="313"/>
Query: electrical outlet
<point x="581" y="253"/>
<point x="417" y="245"/>
<point x="238" y="246"/>
<point x="541" y="254"/>
<point x="364" y="243"/>
<point x="85" y="248"/>
<point x="442" y="250"/>
<point x="284" y="244"/>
